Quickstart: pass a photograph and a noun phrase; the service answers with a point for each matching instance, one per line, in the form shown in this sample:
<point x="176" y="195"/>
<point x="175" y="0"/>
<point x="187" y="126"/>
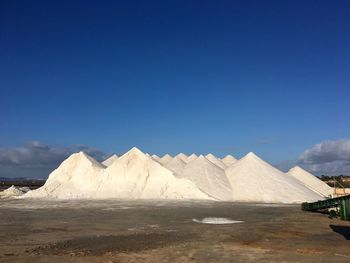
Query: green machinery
<point x="342" y="204"/>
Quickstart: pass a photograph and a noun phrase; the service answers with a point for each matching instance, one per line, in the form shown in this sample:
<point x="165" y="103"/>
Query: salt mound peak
<point x="135" y="151"/>
<point x="229" y="160"/>
<point x="134" y="154"/>
<point x="252" y="156"/>
<point x="137" y="176"/>
<point x="81" y="157"/>
<point x="166" y="158"/>
<point x="254" y="180"/>
<point x="215" y="161"/>
<point x="110" y="160"/>
<point x="148" y="155"/>
<point x="310" y="181"/>
<point x="155" y="157"/>
<point x="176" y="165"/>
<point x="191" y="157"/>
<point x="298" y="169"/>
<point x="182" y="157"/>
<point x="209" y="178"/>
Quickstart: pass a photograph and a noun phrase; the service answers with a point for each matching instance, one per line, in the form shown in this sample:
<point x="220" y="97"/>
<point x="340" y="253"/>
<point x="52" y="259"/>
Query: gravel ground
<point x="159" y="231"/>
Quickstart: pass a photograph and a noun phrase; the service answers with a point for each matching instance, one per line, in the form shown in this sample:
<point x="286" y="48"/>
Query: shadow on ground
<point x="343" y="230"/>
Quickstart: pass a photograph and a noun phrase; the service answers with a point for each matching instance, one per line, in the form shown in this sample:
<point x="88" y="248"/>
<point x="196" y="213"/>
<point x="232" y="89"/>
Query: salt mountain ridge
<point x="137" y="175"/>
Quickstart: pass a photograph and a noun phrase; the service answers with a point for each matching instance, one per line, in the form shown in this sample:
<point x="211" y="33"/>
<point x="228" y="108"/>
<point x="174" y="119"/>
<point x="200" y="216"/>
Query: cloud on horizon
<point x="36" y="159"/>
<point x="328" y="158"/>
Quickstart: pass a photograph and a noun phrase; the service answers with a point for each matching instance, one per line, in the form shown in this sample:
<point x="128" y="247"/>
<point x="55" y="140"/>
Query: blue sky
<point x="176" y="76"/>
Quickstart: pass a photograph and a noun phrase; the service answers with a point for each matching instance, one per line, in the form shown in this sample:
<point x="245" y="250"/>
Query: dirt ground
<point x="158" y="231"/>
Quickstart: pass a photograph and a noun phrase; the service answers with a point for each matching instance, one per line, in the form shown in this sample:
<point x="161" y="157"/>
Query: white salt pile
<point x="182" y="157"/>
<point x="110" y="160"/>
<point x="216" y="221"/>
<point x="215" y="161"/>
<point x="176" y="165"/>
<point x="311" y="181"/>
<point x="11" y="192"/>
<point x="137" y="175"/>
<point x="254" y="180"/>
<point x="209" y="178"/>
<point x="166" y="158"/>
<point x="76" y="177"/>
<point x="228" y="160"/>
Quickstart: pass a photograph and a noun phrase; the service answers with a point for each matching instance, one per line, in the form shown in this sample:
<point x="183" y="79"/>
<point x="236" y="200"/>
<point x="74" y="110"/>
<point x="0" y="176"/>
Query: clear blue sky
<point x="271" y="77"/>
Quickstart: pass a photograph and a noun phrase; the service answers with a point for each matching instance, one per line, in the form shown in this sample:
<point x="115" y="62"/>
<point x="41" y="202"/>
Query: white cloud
<point x="328" y="157"/>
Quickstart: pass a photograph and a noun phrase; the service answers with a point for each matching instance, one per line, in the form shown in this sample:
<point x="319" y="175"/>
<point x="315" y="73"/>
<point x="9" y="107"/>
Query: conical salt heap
<point x="110" y="160"/>
<point x="216" y="161"/>
<point x="137" y="176"/>
<point x="311" y="181"/>
<point x="192" y="157"/>
<point x="183" y="157"/>
<point x="76" y="177"/>
<point x="155" y="157"/>
<point x="209" y="178"/>
<point x="254" y="180"/>
<point x="166" y="158"/>
<point x="228" y="160"/>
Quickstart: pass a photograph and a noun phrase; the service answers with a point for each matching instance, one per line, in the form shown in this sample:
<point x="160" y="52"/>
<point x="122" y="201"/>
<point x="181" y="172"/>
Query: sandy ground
<point x="134" y="231"/>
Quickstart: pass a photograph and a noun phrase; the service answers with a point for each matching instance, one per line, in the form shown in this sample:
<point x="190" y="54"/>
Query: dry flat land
<point x="134" y="231"/>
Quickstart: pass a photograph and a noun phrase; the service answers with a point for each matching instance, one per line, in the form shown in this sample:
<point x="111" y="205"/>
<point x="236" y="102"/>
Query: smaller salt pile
<point x="182" y="157"/>
<point x="176" y="165"/>
<point x="216" y="221"/>
<point x="209" y="178"/>
<point x="228" y="160"/>
<point x="215" y="161"/>
<point x="254" y="180"/>
<point x="110" y="160"/>
<point x="166" y="158"/>
<point x="12" y="191"/>
<point x="310" y="181"/>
